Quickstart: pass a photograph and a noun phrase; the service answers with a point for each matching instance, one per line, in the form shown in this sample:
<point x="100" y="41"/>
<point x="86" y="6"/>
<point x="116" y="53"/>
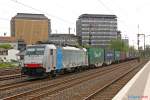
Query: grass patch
<point x="7" y="65"/>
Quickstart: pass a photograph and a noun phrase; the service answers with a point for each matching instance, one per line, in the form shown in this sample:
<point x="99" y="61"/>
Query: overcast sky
<point x="64" y="13"/>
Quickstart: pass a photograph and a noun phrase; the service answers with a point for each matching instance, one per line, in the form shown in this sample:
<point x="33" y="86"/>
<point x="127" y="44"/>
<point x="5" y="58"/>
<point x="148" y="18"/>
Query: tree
<point x="147" y="51"/>
<point x="131" y="48"/>
<point x="147" y="48"/>
<point x="119" y="45"/>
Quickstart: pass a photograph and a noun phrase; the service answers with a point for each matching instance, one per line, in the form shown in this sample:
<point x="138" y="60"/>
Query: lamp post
<point x="145" y="48"/>
<point x="138" y="41"/>
<point x="138" y="35"/>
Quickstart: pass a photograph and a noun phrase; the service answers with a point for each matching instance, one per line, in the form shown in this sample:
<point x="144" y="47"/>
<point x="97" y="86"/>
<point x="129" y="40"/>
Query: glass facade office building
<point x="96" y="29"/>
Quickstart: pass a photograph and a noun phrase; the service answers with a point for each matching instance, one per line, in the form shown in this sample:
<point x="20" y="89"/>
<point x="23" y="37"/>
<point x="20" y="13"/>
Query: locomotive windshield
<point x="35" y="50"/>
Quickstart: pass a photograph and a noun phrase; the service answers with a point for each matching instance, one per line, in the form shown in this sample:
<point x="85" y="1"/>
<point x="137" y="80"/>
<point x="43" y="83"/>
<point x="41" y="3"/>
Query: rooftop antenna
<point x="5" y="34"/>
<point x="138" y="42"/>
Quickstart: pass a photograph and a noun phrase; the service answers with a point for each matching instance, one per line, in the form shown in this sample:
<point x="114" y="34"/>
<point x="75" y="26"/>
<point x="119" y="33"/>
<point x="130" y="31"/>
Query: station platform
<point x="138" y="88"/>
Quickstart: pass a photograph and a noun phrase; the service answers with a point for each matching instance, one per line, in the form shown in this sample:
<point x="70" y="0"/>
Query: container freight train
<point x="48" y="59"/>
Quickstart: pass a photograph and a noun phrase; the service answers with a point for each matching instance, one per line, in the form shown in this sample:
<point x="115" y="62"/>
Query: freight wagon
<point x="117" y="56"/>
<point x="95" y="56"/>
<point x="133" y="54"/>
<point x="109" y="56"/>
<point x="123" y="56"/>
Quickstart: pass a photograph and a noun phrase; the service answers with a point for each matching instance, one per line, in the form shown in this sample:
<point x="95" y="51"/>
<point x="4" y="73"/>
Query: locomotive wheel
<point x="53" y="74"/>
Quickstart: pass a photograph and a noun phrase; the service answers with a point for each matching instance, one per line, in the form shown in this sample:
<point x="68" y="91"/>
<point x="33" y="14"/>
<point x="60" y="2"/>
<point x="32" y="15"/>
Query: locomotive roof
<point x="84" y="49"/>
<point x="52" y="46"/>
<point x="71" y="48"/>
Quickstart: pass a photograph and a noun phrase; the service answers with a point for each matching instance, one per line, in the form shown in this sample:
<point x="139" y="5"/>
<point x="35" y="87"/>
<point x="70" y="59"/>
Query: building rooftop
<point x="4" y="39"/>
<point x="30" y="16"/>
<point x="62" y="35"/>
<point x="97" y="16"/>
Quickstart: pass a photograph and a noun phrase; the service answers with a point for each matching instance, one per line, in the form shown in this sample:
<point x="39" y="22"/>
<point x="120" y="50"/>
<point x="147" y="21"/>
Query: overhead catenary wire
<point x="111" y="11"/>
<point x="105" y="6"/>
<point x="38" y="10"/>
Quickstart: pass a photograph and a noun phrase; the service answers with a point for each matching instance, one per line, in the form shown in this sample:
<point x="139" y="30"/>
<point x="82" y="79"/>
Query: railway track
<point x="84" y="89"/>
<point x="9" y="71"/>
<point x="19" y="84"/>
<point x="7" y="77"/>
<point x="37" y="93"/>
<point x="12" y="86"/>
<point x="110" y="89"/>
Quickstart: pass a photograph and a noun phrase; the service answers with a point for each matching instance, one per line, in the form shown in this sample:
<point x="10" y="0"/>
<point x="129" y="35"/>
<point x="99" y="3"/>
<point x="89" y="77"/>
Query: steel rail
<point x="109" y="84"/>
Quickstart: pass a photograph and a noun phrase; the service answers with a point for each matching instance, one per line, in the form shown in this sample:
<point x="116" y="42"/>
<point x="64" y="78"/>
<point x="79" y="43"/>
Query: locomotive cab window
<point x="35" y="50"/>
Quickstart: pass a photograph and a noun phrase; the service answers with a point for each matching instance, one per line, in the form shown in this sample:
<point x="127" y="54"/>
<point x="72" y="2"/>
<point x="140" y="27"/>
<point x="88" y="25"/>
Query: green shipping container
<point x="117" y="55"/>
<point x="95" y="56"/>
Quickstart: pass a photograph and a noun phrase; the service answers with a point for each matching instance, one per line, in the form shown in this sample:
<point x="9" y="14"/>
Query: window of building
<point x="3" y="52"/>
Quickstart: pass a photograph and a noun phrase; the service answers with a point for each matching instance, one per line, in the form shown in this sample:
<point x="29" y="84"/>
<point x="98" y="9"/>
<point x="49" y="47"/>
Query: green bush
<point x="6" y="65"/>
<point x="119" y="45"/>
<point x="5" y="46"/>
